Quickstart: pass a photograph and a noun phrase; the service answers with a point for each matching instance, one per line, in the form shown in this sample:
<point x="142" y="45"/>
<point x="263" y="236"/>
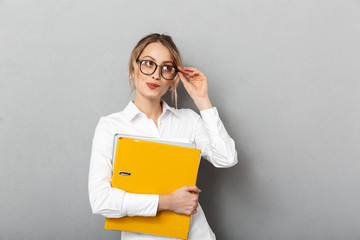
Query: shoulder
<point x="186" y="113"/>
<point x="111" y="119"/>
<point x="114" y="116"/>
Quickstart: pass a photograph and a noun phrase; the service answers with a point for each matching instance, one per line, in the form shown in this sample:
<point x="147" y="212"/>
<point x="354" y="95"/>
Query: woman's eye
<point x="167" y="68"/>
<point x="149" y="63"/>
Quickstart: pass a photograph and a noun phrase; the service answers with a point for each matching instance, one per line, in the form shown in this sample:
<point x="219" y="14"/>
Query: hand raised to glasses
<point x="197" y="86"/>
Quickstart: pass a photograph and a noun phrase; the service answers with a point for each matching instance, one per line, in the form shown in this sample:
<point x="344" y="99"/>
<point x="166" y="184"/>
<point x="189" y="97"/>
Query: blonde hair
<point x="165" y="40"/>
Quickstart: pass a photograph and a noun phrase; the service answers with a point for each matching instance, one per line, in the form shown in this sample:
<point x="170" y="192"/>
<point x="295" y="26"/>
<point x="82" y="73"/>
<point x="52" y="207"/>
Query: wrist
<point x="164" y="202"/>
<point x="203" y="103"/>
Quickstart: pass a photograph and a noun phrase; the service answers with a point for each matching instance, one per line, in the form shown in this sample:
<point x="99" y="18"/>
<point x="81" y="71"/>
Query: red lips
<point x="153" y="85"/>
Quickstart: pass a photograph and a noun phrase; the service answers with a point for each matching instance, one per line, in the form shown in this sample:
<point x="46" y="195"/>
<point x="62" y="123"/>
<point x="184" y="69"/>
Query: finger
<point x="181" y="70"/>
<point x="192" y="74"/>
<point x="194" y="189"/>
<point x="184" y="80"/>
<point x="193" y="212"/>
<point x="185" y="73"/>
<point x="197" y="205"/>
<point x="190" y="69"/>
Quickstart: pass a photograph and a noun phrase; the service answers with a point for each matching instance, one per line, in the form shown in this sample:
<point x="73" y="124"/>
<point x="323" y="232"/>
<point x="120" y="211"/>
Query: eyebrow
<point x="155" y="59"/>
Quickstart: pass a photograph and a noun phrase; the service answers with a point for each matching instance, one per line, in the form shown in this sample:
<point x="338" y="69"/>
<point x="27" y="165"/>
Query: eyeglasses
<point x="148" y="67"/>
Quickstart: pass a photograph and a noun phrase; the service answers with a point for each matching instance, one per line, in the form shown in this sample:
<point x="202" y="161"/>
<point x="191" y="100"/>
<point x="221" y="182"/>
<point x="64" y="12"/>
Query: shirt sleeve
<point x="104" y="199"/>
<point x="212" y="138"/>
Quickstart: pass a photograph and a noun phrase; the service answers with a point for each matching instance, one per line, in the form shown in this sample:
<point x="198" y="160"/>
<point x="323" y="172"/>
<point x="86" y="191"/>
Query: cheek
<point x="138" y="81"/>
<point x="168" y="86"/>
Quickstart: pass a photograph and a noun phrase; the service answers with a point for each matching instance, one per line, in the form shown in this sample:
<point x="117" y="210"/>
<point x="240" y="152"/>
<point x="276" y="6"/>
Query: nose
<point x="156" y="75"/>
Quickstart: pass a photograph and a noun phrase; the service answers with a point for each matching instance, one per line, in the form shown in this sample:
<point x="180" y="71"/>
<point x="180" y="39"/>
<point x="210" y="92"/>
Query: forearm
<point x="214" y="141"/>
<point x="116" y="203"/>
<point x="202" y="103"/>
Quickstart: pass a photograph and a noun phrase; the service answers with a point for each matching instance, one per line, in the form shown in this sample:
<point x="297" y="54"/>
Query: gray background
<point x="285" y="76"/>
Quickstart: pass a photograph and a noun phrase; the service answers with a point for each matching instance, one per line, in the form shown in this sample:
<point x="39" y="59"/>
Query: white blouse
<point x="208" y="133"/>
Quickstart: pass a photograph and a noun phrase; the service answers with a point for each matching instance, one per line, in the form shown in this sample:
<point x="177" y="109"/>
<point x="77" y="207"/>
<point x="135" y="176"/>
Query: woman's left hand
<point x="197" y="86"/>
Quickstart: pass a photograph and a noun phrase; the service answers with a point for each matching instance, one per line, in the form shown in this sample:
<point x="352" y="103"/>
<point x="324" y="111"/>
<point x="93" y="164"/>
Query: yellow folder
<point x="147" y="167"/>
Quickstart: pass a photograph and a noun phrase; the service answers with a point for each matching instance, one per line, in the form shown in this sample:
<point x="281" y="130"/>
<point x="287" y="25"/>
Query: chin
<point x="152" y="96"/>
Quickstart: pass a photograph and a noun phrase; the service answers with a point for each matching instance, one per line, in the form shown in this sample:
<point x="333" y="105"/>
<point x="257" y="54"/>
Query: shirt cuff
<point x="140" y="204"/>
<point x="208" y="110"/>
<point x="210" y="116"/>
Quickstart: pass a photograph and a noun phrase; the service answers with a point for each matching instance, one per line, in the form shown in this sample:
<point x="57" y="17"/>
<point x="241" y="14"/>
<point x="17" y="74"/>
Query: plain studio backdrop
<point x="285" y="76"/>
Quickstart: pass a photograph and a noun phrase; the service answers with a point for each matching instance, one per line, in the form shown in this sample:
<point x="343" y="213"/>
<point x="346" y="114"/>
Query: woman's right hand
<point x="183" y="200"/>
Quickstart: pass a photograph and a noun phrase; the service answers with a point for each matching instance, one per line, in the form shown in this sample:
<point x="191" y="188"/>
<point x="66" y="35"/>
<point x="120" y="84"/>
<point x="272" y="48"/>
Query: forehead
<point x="157" y="51"/>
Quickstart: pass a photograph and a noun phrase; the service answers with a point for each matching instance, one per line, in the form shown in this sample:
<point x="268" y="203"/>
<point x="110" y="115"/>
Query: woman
<point x="154" y="68"/>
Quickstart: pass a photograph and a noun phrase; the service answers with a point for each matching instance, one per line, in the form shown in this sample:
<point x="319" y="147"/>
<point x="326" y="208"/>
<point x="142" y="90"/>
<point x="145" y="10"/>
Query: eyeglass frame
<point x="156" y="66"/>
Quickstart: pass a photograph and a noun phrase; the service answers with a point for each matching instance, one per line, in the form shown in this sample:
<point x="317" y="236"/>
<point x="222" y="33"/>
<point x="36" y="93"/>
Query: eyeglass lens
<point x="149" y="67"/>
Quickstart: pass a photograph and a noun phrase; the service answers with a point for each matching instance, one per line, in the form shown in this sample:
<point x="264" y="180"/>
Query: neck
<point x="151" y="107"/>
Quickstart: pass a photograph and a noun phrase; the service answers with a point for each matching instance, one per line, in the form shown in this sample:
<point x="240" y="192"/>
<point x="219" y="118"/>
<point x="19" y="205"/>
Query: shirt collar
<point x="131" y="110"/>
<point x="166" y="107"/>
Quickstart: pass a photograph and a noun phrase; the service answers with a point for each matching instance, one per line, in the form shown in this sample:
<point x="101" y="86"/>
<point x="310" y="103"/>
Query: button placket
<point x="159" y="125"/>
<point x="154" y="127"/>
